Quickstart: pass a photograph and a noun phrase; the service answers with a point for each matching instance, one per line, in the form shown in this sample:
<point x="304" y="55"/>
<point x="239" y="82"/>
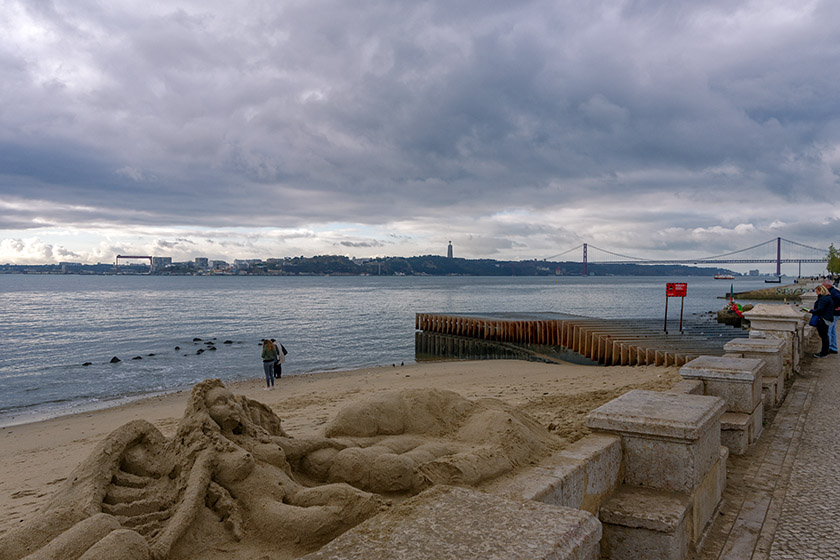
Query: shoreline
<point x="36" y="416"/>
<point x="38" y="456"/>
<point x="120" y="402"/>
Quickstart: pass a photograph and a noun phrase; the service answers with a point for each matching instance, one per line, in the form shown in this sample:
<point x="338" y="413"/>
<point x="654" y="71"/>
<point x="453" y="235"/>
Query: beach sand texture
<point x="547" y="402"/>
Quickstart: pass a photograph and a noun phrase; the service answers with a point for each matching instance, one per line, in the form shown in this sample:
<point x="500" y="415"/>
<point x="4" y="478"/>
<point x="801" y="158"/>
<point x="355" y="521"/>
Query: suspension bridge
<point x="779" y="251"/>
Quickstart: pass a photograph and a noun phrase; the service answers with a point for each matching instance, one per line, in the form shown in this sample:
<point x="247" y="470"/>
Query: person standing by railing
<point x="824" y="312"/>
<point x="832" y="330"/>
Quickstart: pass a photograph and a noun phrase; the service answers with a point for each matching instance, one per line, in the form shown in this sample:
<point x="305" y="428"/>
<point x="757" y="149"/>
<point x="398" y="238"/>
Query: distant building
<point x="753" y="272"/>
<point x="202" y="262"/>
<point x="159" y="263"/>
<point x="218" y="265"/>
<point x="68" y="267"/>
<point x="449" y="251"/>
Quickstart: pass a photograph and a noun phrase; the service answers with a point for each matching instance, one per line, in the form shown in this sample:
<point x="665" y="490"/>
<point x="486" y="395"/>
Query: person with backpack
<point x="269" y="356"/>
<point x="281" y="357"/>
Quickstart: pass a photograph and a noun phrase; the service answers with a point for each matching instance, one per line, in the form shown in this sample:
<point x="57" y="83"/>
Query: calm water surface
<point x="51" y="325"/>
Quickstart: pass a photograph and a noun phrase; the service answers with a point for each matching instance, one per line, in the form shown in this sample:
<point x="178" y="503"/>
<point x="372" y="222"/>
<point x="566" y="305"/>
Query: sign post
<point x="675" y="289"/>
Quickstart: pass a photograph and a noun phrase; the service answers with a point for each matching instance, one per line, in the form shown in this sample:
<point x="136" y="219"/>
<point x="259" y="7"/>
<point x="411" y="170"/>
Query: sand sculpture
<point x="409" y="440"/>
<point x="232" y="484"/>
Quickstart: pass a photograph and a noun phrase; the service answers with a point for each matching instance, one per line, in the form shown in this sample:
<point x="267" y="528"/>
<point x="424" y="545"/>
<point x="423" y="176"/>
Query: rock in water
<point x="114" y="360"/>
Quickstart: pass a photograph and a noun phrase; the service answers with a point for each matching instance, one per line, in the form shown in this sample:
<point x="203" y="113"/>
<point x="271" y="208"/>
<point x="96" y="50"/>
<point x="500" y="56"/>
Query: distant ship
<point x="724" y="277"/>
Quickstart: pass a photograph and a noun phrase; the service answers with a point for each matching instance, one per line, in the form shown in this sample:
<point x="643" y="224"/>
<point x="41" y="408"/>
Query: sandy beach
<point x="37" y="457"/>
<point x="40" y="455"/>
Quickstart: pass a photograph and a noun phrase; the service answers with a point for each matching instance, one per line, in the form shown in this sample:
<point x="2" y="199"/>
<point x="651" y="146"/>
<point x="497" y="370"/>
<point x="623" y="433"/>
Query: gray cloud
<point x="631" y="124"/>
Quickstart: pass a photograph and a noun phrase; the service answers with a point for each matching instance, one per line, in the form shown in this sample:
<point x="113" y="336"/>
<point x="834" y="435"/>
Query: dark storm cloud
<point x="209" y="115"/>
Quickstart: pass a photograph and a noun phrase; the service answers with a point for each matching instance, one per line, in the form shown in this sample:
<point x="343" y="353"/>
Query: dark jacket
<point x="835" y="298"/>
<point x="824" y="308"/>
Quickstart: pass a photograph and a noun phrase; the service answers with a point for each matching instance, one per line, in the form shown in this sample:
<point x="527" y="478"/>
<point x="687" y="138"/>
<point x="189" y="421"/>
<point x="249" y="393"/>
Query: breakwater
<point x="557" y="337"/>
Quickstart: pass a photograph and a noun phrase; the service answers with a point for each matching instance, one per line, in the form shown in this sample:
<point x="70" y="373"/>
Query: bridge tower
<point x="779" y="257"/>
<point x="585" y="272"/>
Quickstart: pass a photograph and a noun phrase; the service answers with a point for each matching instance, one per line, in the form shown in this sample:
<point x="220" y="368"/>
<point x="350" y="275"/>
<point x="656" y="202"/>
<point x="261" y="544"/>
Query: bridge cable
<point x="563" y="253"/>
<point x="617" y="254"/>
<point x="804" y="246"/>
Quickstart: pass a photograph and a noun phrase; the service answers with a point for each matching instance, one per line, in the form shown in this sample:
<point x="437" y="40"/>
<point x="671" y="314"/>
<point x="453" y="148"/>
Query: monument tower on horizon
<point x="449" y="251"/>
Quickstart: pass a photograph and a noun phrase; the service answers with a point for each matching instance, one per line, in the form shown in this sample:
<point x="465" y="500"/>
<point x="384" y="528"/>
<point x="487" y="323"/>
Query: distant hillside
<point x="437" y="265"/>
<point x="429" y="265"/>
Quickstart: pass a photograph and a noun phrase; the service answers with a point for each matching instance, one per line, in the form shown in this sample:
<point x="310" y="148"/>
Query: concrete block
<point x="705" y="499"/>
<point x="774" y="388"/>
<point x="581" y="476"/>
<point x="724" y="457"/>
<point x="769" y="317"/>
<point x="688" y="387"/>
<point x="670" y="440"/>
<point x="557" y="481"/>
<point x="645" y="523"/>
<point x="602" y="456"/>
<point x="738" y="430"/>
<point x="736" y="380"/>
<point x="768" y="395"/>
<point x="783" y="322"/>
<point x="768" y="349"/>
<point x="734" y="434"/>
<point x="448" y="523"/>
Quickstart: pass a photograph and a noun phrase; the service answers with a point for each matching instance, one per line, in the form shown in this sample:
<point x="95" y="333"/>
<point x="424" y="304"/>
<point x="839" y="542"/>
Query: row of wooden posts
<point x="598" y="340"/>
<point x="435" y="346"/>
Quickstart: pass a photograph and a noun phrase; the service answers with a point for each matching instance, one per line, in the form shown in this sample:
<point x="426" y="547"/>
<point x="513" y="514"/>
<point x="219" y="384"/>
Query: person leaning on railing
<point x="832" y="330"/>
<point x="824" y="312"/>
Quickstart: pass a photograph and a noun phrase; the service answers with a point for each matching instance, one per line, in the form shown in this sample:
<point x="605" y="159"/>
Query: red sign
<point x="676" y="289"/>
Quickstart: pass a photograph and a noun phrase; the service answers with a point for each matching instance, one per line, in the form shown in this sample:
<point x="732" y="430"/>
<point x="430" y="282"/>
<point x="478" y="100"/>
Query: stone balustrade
<point x="582" y="476"/>
<point x="785" y="323"/>
<point x="769" y="350"/>
<point x="738" y="381"/>
<point x="645" y="484"/>
<point x="674" y="472"/>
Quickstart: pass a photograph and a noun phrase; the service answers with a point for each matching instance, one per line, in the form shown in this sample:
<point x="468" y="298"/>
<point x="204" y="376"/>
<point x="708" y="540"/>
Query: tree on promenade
<point x="833" y="265"/>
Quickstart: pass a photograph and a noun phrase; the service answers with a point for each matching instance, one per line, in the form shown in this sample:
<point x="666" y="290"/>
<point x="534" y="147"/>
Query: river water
<point x="51" y="325"/>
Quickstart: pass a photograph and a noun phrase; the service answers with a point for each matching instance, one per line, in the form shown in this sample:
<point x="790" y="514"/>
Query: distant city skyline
<point x="515" y="130"/>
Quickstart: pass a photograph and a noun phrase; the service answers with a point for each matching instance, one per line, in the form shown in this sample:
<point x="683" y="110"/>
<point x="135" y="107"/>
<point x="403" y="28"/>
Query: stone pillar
<point x="738" y="381"/>
<point x="780" y="321"/>
<point x="770" y="351"/>
<point x="808" y="300"/>
<point x="674" y="472"/>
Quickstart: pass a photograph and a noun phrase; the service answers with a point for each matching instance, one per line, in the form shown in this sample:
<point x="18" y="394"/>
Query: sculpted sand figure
<point x="406" y="441"/>
<point x="232" y="484"/>
<point x="220" y="488"/>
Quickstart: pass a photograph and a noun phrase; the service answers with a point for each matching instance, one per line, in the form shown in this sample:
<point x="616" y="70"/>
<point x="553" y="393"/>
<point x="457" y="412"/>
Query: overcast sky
<point x="517" y="130"/>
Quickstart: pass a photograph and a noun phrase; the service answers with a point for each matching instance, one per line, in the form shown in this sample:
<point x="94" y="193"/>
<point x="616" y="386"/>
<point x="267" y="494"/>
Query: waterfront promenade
<point x="782" y="499"/>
